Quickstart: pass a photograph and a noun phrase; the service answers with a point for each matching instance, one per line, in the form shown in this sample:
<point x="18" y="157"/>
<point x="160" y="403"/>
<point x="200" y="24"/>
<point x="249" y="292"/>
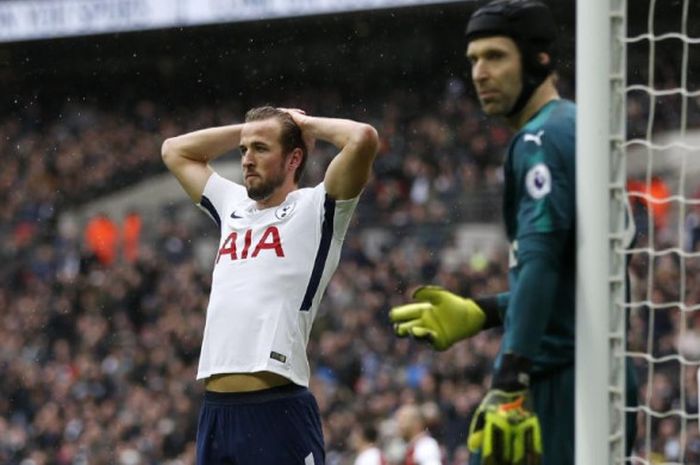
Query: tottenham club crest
<point x="284" y="210"/>
<point x="538" y="181"/>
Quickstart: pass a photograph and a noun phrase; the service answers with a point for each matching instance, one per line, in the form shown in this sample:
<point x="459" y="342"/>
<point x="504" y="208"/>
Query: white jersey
<point x="424" y="450"/>
<point x="271" y="270"/>
<point x="371" y="456"/>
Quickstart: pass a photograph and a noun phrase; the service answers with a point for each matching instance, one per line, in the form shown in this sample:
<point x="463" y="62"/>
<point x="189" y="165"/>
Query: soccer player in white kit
<point x="278" y="249"/>
<point x="422" y="448"/>
<point x="363" y="439"/>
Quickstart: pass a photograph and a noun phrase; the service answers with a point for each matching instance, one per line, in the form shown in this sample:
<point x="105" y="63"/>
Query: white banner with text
<point x="42" y="19"/>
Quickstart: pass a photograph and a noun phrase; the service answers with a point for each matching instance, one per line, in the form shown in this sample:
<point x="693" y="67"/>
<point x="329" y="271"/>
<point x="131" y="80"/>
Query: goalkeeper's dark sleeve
<point x="531" y="301"/>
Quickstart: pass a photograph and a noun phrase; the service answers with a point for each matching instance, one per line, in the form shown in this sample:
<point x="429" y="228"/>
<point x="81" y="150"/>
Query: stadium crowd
<point x="98" y="355"/>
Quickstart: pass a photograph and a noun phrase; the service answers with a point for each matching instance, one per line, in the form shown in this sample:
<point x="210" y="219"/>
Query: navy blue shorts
<point x="281" y="425"/>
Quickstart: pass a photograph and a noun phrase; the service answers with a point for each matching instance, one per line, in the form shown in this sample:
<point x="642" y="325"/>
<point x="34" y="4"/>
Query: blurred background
<point x="105" y="264"/>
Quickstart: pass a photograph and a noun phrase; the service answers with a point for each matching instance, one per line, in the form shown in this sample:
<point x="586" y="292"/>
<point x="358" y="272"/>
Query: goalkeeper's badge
<point x="538" y="181"/>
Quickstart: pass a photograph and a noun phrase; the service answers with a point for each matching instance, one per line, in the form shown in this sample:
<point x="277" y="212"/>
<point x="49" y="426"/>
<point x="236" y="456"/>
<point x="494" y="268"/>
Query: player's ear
<point x="294" y="159"/>
<point x="544" y="59"/>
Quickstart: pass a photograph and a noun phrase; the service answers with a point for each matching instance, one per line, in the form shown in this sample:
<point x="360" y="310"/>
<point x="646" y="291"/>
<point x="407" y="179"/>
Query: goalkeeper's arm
<point x="504" y="428"/>
<point x="531" y="302"/>
<point x="443" y="318"/>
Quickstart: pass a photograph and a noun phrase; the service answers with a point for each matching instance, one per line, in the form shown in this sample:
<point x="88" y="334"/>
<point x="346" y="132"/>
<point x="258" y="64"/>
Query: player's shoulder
<point x="217" y="184"/>
<point x="561" y="118"/>
<point x="554" y="127"/>
<point x="312" y="198"/>
<point x="427" y="443"/>
<point x="306" y="193"/>
<point x="556" y="119"/>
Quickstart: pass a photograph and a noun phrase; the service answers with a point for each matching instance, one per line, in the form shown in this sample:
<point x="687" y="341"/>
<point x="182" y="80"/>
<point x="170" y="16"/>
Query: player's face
<point x="355" y="439"/>
<point x="262" y="158"/>
<point x="496" y="72"/>
<point x="403" y="424"/>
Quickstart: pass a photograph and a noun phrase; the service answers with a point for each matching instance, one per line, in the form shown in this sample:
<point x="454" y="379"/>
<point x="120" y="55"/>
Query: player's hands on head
<point x="504" y="429"/>
<point x="437" y="316"/>
<point x="300" y="118"/>
<point x="297" y="114"/>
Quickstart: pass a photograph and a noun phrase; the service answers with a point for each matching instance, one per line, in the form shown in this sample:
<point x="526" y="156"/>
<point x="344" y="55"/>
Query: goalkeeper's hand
<point x="504" y="429"/>
<point x="438" y="316"/>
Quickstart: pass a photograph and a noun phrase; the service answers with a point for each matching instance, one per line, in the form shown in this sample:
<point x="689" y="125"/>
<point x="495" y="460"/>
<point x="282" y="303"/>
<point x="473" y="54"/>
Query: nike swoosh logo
<point x="233" y="215"/>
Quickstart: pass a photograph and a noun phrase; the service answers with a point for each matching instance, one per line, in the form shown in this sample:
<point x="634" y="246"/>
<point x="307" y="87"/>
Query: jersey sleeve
<point x="337" y="213"/>
<point x="219" y="196"/>
<point x="545" y="183"/>
<point x="531" y="301"/>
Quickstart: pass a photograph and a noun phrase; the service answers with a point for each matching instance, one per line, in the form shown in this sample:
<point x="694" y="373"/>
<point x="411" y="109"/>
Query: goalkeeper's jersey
<point x="540" y="198"/>
<point x="270" y="272"/>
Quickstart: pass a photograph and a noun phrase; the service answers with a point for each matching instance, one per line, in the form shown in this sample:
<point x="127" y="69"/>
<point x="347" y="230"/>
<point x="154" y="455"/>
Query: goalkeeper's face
<point x="496" y="69"/>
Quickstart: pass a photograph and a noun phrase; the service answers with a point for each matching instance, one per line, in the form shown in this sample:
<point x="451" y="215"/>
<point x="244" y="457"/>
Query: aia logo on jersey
<point x="238" y="245"/>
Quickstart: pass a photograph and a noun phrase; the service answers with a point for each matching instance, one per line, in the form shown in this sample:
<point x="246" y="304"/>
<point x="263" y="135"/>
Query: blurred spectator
<point x="131" y="236"/>
<point x="657" y="194"/>
<point x="692" y="224"/>
<point x="102" y="238"/>
<point x="422" y="448"/>
<point x="364" y="442"/>
<point x="660" y="194"/>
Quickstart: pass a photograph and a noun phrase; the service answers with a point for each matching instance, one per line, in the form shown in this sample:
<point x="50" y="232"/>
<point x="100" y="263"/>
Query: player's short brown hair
<point x="290" y="137"/>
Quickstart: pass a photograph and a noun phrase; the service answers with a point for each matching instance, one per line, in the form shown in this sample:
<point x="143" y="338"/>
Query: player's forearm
<point x="202" y="146"/>
<point x="339" y="132"/>
<point x="531" y="302"/>
<point x="530" y="309"/>
<point x="350" y="170"/>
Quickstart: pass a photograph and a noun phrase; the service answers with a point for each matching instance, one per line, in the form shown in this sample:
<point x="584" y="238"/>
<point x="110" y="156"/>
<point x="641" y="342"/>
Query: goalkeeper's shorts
<point x="268" y="427"/>
<point x="554" y="402"/>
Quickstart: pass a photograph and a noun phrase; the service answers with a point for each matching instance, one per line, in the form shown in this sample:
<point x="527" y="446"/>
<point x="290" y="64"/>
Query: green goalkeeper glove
<point x="438" y="316"/>
<point x="504" y="429"/>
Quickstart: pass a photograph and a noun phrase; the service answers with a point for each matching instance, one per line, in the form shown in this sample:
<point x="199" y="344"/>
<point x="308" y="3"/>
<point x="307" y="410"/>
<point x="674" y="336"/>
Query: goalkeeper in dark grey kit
<point x="527" y="417"/>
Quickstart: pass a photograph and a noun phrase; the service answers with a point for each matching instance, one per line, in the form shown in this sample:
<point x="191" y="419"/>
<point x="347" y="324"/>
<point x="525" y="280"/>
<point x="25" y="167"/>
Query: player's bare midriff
<point x="244" y="382"/>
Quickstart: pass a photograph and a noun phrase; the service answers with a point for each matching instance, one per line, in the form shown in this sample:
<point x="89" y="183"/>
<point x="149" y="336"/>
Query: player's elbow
<point x="369" y="135"/>
<point x="169" y="151"/>
<point x="367" y="139"/>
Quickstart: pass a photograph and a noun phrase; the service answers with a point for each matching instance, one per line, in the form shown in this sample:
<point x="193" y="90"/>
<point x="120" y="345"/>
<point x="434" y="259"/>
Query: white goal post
<point x="658" y="97"/>
<point x="600" y="185"/>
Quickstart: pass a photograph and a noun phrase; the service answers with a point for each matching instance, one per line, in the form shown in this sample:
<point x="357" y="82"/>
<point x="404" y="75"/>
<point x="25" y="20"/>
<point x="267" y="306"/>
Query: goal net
<point x="651" y="169"/>
<point x="662" y="148"/>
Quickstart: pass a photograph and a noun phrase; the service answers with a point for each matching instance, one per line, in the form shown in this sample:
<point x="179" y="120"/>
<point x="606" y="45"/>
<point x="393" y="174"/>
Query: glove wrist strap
<point x="489" y="305"/>
<point x="513" y="374"/>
